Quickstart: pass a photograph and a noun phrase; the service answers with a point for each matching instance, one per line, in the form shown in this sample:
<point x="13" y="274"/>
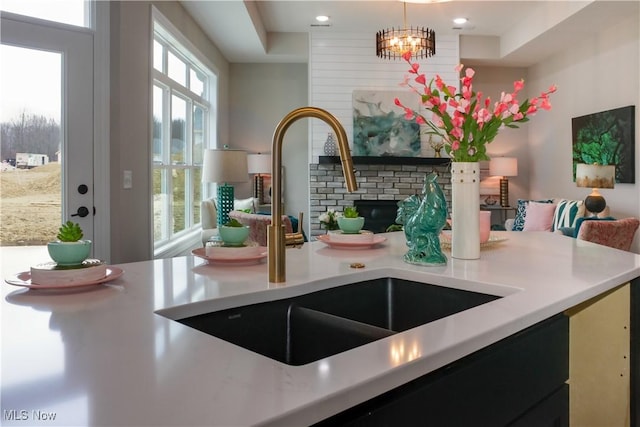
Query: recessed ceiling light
<point x="322" y="18"/>
<point x="460" y="21"/>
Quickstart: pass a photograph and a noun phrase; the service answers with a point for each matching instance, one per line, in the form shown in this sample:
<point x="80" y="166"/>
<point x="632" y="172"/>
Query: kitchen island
<point x="114" y="355"/>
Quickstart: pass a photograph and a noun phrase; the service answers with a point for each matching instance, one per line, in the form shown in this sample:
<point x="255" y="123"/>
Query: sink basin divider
<point x="311" y="332"/>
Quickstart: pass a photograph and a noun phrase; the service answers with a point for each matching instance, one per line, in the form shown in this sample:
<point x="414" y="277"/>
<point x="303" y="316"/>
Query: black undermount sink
<point x="303" y="329"/>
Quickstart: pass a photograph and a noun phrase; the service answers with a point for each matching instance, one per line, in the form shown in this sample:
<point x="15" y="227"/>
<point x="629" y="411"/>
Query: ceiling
<point x="505" y="33"/>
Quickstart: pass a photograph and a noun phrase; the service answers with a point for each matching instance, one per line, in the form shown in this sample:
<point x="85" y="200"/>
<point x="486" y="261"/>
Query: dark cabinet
<point x="519" y="381"/>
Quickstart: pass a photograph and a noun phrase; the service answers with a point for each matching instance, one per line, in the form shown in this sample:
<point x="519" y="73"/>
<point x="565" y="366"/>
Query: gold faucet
<point x="276" y="240"/>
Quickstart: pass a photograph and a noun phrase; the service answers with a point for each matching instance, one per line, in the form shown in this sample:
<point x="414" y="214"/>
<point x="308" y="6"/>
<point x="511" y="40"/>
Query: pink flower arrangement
<point x="472" y="124"/>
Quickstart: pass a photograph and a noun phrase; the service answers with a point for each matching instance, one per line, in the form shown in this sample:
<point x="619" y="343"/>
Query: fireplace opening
<point x="378" y="214"/>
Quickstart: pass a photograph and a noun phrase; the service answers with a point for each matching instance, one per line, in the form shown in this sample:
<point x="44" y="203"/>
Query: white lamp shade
<point x="223" y="166"/>
<point x="503" y="166"/>
<point x="595" y="176"/>
<point x="259" y="163"/>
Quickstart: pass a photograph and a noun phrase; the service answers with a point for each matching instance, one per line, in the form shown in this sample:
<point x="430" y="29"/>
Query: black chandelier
<point x="393" y="43"/>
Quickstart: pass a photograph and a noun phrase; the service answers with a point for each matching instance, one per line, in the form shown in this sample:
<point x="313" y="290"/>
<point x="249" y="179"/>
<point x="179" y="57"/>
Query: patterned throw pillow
<point x="521" y="212"/>
<point x="567" y="212"/>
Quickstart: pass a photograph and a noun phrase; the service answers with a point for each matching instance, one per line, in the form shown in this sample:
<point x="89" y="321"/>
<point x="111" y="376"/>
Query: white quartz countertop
<point x="110" y="355"/>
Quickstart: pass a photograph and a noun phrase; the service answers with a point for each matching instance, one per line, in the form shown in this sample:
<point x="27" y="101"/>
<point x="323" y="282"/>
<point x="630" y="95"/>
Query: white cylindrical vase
<point x="465" y="210"/>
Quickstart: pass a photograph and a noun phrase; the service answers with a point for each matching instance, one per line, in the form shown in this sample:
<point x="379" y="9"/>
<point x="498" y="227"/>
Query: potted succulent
<point x="350" y="222"/>
<point x="234" y="233"/>
<point x="69" y="249"/>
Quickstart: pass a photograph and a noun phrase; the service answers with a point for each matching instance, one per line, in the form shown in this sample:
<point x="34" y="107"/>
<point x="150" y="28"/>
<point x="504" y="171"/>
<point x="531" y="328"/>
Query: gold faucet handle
<point x="295" y="240"/>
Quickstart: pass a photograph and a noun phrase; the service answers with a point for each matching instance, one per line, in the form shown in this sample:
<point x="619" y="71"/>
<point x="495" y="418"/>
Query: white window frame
<point x="175" y="243"/>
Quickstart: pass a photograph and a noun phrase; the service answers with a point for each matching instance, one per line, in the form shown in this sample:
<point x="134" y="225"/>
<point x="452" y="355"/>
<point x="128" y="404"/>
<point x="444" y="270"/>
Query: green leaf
<point x="70" y="232"/>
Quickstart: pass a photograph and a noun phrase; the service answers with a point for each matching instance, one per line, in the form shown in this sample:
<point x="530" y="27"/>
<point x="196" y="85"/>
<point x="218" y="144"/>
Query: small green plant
<point x="351" y="212"/>
<point x="70" y="232"/>
<point x="234" y="223"/>
<point x="394" y="227"/>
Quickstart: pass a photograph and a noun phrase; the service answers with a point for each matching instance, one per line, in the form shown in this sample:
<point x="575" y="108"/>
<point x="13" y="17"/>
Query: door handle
<point x="82" y="212"/>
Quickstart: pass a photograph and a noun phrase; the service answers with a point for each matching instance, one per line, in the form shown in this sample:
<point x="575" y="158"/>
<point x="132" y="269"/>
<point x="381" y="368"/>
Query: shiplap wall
<point x="340" y="63"/>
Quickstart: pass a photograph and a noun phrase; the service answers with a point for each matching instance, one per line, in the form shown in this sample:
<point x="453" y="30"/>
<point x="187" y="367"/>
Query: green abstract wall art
<point x="379" y="126"/>
<point x="606" y="138"/>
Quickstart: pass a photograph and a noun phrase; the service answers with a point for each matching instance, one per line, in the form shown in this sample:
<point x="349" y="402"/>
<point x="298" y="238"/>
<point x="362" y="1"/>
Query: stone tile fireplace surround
<point x="376" y="183"/>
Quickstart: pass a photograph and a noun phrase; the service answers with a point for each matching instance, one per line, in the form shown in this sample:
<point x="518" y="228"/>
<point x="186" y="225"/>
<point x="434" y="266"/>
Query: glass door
<point x="47" y="117"/>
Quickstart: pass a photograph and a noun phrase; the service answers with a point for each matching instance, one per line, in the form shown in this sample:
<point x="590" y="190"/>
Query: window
<point x="183" y="122"/>
<point x="72" y="12"/>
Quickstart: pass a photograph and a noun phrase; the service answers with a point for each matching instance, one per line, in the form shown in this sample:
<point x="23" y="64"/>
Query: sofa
<point x="549" y="215"/>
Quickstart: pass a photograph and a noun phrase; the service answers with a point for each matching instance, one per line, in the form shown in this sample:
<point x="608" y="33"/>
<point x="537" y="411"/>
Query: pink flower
<point x="463" y="118"/>
<point x="483" y="115"/>
<point x="458" y="121"/>
<point x="518" y="85"/>
<point x="437" y="121"/>
<point x="408" y="114"/>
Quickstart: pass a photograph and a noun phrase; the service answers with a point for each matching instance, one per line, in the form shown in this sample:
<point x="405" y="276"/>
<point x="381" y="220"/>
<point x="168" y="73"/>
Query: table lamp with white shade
<point x="504" y="167"/>
<point x="224" y="167"/>
<point x="259" y="165"/>
<point x="595" y="176"/>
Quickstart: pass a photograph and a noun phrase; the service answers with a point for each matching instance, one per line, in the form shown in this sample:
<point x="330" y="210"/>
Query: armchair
<point x="258" y="225"/>
<point x="209" y="215"/>
<point x="617" y="234"/>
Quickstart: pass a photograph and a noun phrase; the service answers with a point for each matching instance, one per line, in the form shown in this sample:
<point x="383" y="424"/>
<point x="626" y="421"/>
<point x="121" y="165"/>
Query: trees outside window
<point x="183" y="119"/>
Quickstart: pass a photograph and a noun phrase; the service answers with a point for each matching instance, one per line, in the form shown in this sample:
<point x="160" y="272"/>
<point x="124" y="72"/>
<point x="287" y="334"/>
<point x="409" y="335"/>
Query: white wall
<point x="261" y="95"/>
<point x="131" y="36"/>
<point x="492" y="81"/>
<point x="601" y="73"/>
<point x="340" y="63"/>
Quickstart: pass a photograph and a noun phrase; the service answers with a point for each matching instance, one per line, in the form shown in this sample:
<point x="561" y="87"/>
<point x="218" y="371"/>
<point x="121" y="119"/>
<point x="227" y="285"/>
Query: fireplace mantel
<point x="387" y="160"/>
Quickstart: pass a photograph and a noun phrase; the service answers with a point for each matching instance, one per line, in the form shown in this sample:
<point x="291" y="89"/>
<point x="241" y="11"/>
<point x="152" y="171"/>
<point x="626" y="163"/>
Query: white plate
<point x="253" y="259"/>
<point x="364" y="236"/>
<point x="445" y="240"/>
<point x="351" y="245"/>
<point x="24" y="279"/>
<point x="233" y="252"/>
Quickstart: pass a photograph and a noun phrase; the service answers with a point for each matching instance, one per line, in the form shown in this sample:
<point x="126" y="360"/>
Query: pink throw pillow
<point x="539" y="216"/>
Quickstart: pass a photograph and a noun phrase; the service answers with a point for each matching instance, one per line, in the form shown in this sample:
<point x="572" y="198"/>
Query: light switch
<point x="127" y="180"/>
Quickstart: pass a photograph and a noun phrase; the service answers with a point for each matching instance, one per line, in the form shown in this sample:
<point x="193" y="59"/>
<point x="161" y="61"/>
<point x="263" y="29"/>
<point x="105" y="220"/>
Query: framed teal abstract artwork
<point x="379" y="126"/>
